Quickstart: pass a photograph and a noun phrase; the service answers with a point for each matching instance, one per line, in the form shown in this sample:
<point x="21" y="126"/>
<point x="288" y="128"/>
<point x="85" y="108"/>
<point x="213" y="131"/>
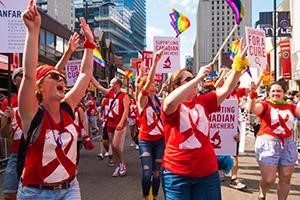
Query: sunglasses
<point x="187" y="79"/>
<point x="56" y="76"/>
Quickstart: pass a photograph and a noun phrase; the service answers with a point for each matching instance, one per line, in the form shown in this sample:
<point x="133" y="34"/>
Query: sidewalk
<point x="250" y="175"/>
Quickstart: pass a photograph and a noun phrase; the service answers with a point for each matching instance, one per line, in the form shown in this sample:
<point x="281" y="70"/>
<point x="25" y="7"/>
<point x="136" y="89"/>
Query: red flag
<point x="285" y="58"/>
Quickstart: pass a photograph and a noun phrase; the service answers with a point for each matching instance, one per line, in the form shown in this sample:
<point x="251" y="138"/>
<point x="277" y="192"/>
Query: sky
<point x="158" y="20"/>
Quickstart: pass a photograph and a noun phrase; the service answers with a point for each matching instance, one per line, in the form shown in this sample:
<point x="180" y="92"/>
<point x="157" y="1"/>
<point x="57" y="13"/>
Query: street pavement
<point x="96" y="182"/>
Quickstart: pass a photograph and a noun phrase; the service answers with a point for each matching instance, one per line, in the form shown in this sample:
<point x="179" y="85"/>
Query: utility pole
<point x="275" y="39"/>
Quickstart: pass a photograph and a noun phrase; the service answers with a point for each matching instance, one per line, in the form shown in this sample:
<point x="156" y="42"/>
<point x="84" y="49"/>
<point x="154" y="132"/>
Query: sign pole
<point x="10" y="60"/>
<point x="274" y="41"/>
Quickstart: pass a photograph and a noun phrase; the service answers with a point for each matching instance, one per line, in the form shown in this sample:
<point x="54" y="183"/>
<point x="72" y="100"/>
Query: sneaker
<point x="100" y="156"/>
<point x="237" y="184"/>
<point x="122" y="171"/>
<point x="111" y="163"/>
<point x="132" y="144"/>
<point x="137" y="147"/>
<point x="106" y="154"/>
<point x="116" y="172"/>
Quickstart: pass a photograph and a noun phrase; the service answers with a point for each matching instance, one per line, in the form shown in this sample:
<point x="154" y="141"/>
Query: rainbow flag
<point x="98" y="57"/>
<point x="233" y="49"/>
<point x="238" y="10"/>
<point x="179" y="22"/>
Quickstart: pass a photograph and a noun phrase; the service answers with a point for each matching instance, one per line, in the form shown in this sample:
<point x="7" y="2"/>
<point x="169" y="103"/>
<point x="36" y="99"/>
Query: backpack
<point x="34" y="126"/>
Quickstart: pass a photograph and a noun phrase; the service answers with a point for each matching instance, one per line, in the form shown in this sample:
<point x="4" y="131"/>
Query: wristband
<point x="253" y="95"/>
<point x="145" y="92"/>
<point x="239" y="64"/>
<point x="88" y="44"/>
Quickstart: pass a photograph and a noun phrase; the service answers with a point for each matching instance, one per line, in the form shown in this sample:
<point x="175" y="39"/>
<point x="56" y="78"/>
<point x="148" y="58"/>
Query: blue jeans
<point x="30" y="193"/>
<point x="151" y="154"/>
<point x="10" y="183"/>
<point x="177" y="187"/>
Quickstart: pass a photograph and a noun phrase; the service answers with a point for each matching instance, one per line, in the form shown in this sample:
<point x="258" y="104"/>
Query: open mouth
<point x="60" y="88"/>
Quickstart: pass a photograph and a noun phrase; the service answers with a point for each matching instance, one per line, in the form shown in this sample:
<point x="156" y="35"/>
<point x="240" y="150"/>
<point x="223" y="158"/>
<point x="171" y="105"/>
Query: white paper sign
<point x="72" y="71"/>
<point x="170" y="61"/>
<point x="12" y="28"/>
<point x="223" y="128"/>
<point x="255" y="40"/>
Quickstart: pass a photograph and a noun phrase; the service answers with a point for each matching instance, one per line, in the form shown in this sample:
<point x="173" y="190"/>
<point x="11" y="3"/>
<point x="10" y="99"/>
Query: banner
<point x="170" y="60"/>
<point x="72" y="71"/>
<point x="284" y="28"/>
<point x="285" y="58"/>
<point x="266" y="23"/>
<point x="283" y="24"/>
<point x="147" y="58"/>
<point x="255" y="40"/>
<point x="223" y="128"/>
<point x="12" y="28"/>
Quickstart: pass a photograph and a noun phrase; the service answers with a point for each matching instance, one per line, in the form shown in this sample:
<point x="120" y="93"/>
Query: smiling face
<point x="276" y="92"/>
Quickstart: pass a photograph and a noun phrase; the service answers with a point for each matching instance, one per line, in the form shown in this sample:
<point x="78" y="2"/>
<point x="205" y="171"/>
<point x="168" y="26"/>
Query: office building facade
<point x="215" y="20"/>
<point x="60" y="10"/>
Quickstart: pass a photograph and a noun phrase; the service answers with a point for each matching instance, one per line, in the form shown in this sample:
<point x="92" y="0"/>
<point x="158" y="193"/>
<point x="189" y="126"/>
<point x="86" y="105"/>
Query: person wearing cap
<point x="116" y="121"/>
<point x="50" y="165"/>
<point x="11" y="128"/>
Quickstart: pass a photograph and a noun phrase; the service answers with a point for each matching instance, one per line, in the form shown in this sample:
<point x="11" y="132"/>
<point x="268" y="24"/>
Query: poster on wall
<point x="12" y="28"/>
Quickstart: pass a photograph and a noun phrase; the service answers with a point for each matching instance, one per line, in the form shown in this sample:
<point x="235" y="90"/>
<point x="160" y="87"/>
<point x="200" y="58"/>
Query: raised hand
<point x="32" y="17"/>
<point x="158" y="55"/>
<point x="86" y="30"/>
<point x="204" y="71"/>
<point x="73" y="42"/>
<point x="242" y="52"/>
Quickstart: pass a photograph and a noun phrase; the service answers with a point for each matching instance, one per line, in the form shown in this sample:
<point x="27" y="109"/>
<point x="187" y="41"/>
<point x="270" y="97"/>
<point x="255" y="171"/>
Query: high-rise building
<point x="137" y="22"/>
<point x="215" y="20"/>
<point x="123" y="23"/>
<point x="60" y="10"/>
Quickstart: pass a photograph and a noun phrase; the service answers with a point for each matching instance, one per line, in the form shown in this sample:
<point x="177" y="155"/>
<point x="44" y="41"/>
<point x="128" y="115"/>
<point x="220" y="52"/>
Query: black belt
<point x="64" y="185"/>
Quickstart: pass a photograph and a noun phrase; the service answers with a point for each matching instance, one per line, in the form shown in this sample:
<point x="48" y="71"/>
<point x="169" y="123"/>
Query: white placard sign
<point x="223" y="128"/>
<point x="12" y="27"/>
<point x="170" y="61"/>
<point x="255" y="40"/>
<point x="72" y="71"/>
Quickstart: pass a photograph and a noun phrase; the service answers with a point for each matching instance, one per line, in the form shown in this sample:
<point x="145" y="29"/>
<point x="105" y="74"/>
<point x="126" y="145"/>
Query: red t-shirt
<point x="277" y="120"/>
<point x="237" y="94"/>
<point x="16" y="124"/>
<point x="116" y="110"/>
<point x="91" y="108"/>
<point x="188" y="150"/>
<point x="151" y="128"/>
<point x="51" y="158"/>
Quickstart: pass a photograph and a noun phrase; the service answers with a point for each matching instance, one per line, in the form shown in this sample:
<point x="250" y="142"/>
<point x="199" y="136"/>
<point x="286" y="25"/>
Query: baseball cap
<point x="43" y="70"/>
<point x="17" y="71"/>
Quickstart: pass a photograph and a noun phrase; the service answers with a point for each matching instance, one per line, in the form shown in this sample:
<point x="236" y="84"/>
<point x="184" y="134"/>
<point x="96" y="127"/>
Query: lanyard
<point x="51" y="122"/>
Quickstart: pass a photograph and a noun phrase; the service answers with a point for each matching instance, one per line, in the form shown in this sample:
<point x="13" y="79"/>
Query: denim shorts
<point x="30" y="193"/>
<point x="10" y="183"/>
<point x="177" y="187"/>
<point x="272" y="152"/>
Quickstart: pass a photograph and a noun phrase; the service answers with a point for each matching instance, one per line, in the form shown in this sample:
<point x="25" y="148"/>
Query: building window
<point x="59" y="44"/>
